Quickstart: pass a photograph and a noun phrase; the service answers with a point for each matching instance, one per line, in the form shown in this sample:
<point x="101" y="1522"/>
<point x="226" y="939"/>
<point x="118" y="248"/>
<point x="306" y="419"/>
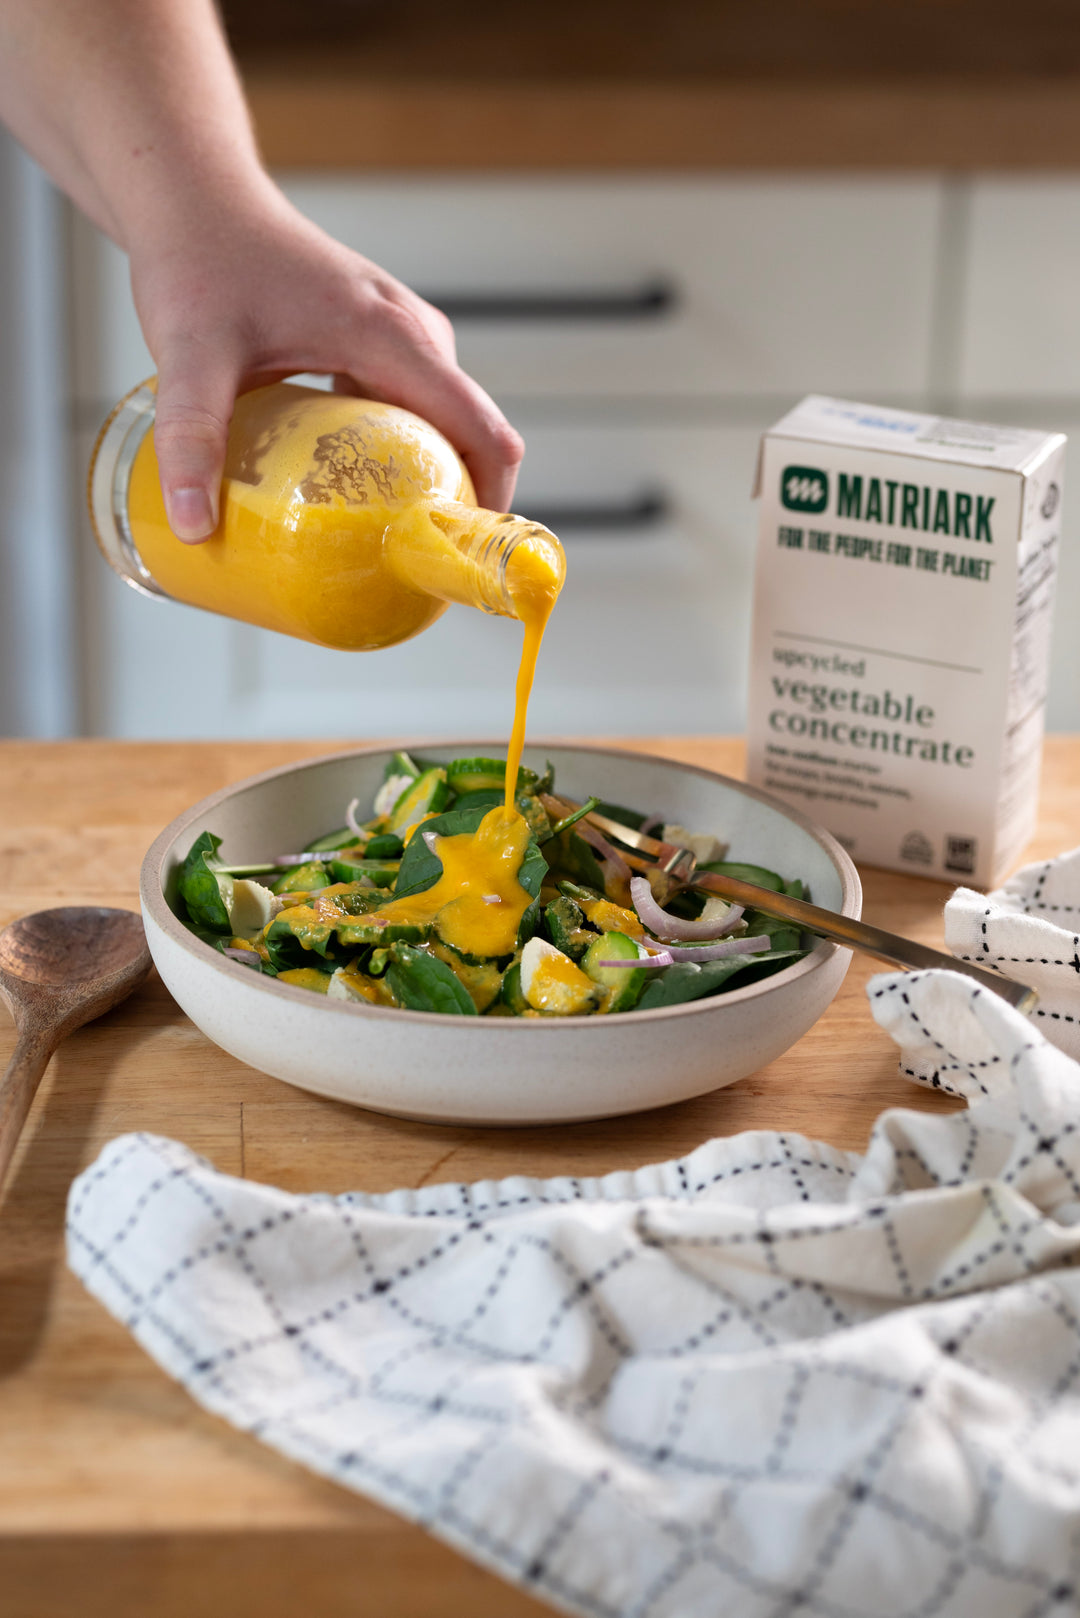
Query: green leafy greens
<point x="328" y="910"/>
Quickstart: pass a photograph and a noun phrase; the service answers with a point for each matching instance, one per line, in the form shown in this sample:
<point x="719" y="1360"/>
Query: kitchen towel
<point x="771" y="1378"/>
<point x="1028" y="931"/>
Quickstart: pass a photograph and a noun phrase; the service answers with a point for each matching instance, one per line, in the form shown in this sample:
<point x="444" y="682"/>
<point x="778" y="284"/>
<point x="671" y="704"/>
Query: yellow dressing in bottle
<point x="343" y="521"/>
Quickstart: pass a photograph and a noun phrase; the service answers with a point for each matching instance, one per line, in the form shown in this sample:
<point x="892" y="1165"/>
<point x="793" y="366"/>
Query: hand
<point x="254" y="293"/>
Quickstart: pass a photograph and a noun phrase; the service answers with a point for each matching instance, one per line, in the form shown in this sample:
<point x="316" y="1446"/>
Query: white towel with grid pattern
<point x="769" y="1379"/>
<point x="1029" y="929"/>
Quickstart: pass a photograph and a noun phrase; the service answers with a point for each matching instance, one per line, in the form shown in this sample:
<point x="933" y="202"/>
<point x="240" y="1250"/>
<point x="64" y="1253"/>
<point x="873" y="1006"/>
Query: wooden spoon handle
<point x="19" y="1085"/>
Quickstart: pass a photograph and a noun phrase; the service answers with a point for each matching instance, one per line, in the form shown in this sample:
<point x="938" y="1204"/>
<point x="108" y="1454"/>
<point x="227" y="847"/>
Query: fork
<point x="681" y="865"/>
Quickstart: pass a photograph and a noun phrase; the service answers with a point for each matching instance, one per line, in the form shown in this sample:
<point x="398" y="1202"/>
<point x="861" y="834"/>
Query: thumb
<point x="195" y="398"/>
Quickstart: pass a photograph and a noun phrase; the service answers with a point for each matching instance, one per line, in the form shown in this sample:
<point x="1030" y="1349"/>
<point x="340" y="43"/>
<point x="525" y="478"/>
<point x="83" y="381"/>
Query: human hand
<point x="249" y="294"/>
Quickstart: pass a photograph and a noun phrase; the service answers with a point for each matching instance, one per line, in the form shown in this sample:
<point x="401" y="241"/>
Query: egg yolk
<point x="557" y="985"/>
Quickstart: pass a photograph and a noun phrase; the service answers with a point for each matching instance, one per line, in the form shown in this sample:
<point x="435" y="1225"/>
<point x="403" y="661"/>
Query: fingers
<point x="196" y="393"/>
<point x="491" y="449"/>
<point x="474" y="424"/>
<point x="413" y="366"/>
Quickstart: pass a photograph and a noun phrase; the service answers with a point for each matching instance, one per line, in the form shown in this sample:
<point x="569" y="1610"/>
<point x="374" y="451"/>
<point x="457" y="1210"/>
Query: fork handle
<point x="860" y="935"/>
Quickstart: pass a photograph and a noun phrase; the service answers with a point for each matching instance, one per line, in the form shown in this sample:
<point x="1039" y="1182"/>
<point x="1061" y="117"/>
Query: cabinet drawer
<point x="660" y="287"/>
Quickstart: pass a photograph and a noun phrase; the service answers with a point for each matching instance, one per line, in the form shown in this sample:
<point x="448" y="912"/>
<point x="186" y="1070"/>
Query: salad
<point x="447" y="899"/>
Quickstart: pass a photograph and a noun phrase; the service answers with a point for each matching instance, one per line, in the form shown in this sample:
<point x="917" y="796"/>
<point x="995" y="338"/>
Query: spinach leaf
<point x="387" y="846"/>
<point x="533" y="870"/>
<point x="571" y="856"/>
<point x="688" y="980"/>
<point x="781" y="934"/>
<point x="420" y="869"/>
<point x="483" y="798"/>
<point x="746" y="873"/>
<point x="298" y="927"/>
<point x="626" y="817"/>
<point x="286" y="953"/>
<point x="199" y="885"/>
<point x="424" y="983"/>
<point x="527" y="805"/>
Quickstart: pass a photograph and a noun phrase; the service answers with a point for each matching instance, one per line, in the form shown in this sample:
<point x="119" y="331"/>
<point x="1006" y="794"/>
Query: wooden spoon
<point x="59" y="969"/>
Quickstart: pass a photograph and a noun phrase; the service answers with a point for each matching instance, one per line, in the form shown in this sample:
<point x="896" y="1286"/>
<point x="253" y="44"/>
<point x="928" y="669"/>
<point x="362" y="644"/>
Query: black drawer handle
<point x="649" y="302"/>
<point x="637" y="517"/>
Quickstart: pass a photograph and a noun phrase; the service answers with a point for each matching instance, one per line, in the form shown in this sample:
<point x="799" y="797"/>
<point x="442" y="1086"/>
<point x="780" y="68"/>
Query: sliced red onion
<point x="660" y="921"/>
<point x="351" y="820"/>
<point x="713" y="952"/>
<point x="248" y="956"/>
<point x="492" y="898"/>
<point x="663" y="958"/>
<point x="297" y="859"/>
<point x="650" y="824"/>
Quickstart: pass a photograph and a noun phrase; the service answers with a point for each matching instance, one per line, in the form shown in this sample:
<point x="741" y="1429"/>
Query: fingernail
<point x="191" y="516"/>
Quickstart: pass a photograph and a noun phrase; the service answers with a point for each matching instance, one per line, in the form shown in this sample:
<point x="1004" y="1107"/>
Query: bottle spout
<point x="498" y="562"/>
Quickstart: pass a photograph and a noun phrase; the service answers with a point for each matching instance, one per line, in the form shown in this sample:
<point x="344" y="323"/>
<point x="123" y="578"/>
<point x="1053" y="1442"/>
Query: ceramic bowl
<point x="496" y="1070"/>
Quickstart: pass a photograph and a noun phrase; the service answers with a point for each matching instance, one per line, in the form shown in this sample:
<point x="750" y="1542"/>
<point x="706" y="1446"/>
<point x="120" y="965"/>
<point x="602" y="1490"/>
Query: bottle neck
<point x="497" y="562"/>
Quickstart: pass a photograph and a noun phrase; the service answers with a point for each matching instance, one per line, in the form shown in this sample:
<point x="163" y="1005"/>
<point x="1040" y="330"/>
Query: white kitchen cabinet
<point x="1020" y="291"/>
<point x="758" y="287"/>
<point x="775" y="288"/>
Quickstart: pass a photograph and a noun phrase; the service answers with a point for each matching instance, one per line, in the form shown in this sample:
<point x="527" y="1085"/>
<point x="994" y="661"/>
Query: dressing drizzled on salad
<point x="477" y="903"/>
<point x="447" y="898"/>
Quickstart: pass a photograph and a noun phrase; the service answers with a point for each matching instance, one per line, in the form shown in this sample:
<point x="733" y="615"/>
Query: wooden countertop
<point x="119" y="1497"/>
<point x="620" y="85"/>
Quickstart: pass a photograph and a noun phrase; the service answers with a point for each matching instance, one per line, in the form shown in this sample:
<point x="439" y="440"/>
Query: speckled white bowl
<point x="498" y="1070"/>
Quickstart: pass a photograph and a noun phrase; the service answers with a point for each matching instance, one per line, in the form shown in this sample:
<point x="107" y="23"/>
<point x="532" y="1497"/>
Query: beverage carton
<point x="901" y="632"/>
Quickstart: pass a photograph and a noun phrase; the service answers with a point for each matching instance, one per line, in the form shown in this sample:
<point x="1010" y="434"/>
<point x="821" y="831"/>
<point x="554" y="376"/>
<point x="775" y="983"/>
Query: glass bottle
<point x="343" y="521"/>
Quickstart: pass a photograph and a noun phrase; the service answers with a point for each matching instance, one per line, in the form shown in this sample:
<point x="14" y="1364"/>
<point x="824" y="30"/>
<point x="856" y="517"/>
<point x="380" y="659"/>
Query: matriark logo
<point x="804" y="488"/>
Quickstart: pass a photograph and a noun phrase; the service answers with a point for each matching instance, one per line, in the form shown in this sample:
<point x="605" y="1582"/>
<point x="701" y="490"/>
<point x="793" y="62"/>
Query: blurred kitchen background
<point x="655" y="228"/>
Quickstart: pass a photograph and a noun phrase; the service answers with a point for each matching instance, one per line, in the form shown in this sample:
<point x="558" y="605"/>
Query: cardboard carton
<point x="901" y="632"/>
